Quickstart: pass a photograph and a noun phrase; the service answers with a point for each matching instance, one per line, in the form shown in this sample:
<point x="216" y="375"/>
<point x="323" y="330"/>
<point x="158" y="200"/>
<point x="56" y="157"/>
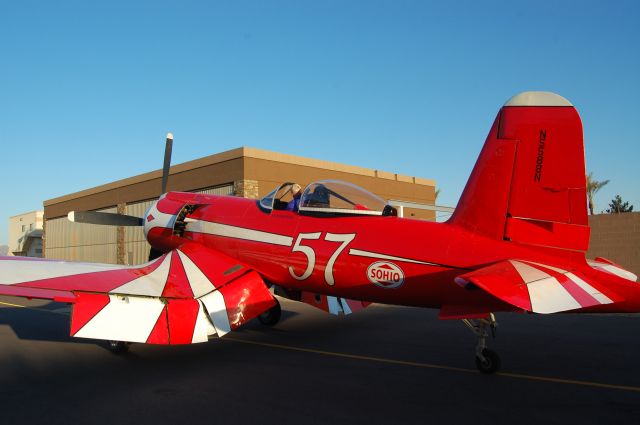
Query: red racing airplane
<point x="516" y="242"/>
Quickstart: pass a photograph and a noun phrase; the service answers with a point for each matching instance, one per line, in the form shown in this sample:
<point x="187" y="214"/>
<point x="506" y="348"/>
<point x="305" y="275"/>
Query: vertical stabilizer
<point x="528" y="184"/>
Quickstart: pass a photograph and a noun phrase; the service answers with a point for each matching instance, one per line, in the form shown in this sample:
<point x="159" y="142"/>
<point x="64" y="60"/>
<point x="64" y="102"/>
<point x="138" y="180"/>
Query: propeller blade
<point x="167" y="162"/>
<point x="108" y="219"/>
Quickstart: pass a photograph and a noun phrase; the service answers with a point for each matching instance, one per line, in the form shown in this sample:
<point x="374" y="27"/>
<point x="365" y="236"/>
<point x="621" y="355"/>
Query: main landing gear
<point x="119" y="347"/>
<point x="487" y="361"/>
<point x="271" y="316"/>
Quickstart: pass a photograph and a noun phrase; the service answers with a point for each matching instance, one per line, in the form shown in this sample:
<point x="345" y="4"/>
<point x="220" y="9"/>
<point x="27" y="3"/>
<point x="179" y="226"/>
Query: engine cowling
<point x="161" y="223"/>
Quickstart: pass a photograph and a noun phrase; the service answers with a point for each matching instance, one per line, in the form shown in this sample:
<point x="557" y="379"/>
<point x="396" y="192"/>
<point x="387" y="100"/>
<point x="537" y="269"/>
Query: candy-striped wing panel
<point x="539" y="288"/>
<point x="183" y="297"/>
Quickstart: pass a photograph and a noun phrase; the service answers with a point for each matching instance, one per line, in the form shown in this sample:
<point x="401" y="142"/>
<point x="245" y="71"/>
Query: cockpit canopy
<point x="327" y="197"/>
<point x="335" y="196"/>
<point x="278" y="198"/>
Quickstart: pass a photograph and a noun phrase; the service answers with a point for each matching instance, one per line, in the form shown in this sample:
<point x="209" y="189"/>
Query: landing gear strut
<point x="487" y="361"/>
<point x="271" y="316"/>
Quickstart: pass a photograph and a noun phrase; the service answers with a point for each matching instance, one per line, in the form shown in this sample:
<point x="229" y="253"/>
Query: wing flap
<point x="123" y="318"/>
<point x="238" y="302"/>
<point x="140" y="319"/>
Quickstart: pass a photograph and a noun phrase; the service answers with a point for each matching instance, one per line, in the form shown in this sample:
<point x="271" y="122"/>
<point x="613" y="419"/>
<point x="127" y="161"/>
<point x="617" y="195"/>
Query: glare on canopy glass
<point x="327" y="196"/>
<point x="335" y="196"/>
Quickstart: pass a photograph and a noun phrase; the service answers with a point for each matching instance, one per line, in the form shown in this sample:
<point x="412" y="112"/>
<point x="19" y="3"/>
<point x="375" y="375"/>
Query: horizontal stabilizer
<point x="538" y="288"/>
<point x="608" y="266"/>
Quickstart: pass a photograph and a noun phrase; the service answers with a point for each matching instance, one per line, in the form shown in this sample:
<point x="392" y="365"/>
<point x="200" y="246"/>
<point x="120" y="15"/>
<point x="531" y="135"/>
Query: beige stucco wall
<point x="616" y="237"/>
<point x="21" y="224"/>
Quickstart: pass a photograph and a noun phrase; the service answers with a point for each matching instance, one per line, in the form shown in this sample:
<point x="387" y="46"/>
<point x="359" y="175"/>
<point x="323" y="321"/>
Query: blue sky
<point x="88" y="90"/>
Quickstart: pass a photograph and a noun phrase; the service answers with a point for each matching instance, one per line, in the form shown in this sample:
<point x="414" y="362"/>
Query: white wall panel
<point x="92" y="243"/>
<point x="81" y="242"/>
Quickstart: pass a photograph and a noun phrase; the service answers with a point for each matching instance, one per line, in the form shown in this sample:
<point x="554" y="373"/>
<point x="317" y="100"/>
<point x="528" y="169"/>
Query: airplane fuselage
<point x="383" y="259"/>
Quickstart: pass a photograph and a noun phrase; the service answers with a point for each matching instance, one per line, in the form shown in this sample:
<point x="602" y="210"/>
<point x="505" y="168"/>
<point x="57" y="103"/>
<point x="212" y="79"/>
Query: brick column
<point x="120" y="245"/>
<point x="246" y="188"/>
<point x="44" y="238"/>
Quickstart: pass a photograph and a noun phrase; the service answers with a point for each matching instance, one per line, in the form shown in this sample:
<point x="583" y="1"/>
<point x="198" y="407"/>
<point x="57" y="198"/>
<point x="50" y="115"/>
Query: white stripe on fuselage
<point x="219" y="229"/>
<point x="369" y="254"/>
<point x="226" y="230"/>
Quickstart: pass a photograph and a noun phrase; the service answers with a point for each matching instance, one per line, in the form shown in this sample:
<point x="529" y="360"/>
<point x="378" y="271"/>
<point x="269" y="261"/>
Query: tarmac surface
<point x="382" y="365"/>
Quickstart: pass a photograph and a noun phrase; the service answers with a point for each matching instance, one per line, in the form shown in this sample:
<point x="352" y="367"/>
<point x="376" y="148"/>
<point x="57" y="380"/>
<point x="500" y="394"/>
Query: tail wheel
<point x="489" y="362"/>
<point x="271" y="316"/>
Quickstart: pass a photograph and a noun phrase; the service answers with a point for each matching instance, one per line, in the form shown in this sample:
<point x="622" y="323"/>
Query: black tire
<point x="154" y="253"/>
<point x="271" y="316"/>
<point x="118" y="347"/>
<point x="491" y="362"/>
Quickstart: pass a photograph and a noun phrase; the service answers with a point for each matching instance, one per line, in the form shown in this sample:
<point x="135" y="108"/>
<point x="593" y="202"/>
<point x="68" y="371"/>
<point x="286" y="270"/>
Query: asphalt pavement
<point x="386" y="364"/>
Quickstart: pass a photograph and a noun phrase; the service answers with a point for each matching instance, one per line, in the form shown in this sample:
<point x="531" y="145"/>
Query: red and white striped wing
<point x="182" y="297"/>
<point x="539" y="288"/>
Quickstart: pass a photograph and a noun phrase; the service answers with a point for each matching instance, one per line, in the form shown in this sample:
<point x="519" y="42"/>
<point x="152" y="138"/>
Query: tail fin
<point x="528" y="185"/>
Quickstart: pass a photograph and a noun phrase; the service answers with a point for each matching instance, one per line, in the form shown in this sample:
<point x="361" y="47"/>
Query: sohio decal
<point x="385" y="274"/>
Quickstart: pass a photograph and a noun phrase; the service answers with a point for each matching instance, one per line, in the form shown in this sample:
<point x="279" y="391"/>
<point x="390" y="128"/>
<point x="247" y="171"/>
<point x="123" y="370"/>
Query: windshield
<point x="335" y="196"/>
<point x="278" y="198"/>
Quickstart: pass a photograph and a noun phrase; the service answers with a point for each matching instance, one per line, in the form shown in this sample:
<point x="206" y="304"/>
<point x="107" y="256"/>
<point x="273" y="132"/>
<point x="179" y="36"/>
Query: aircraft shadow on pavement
<point x="51" y="322"/>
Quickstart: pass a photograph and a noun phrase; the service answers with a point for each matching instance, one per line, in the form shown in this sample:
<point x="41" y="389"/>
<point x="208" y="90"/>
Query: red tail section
<point x="528" y="185"/>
